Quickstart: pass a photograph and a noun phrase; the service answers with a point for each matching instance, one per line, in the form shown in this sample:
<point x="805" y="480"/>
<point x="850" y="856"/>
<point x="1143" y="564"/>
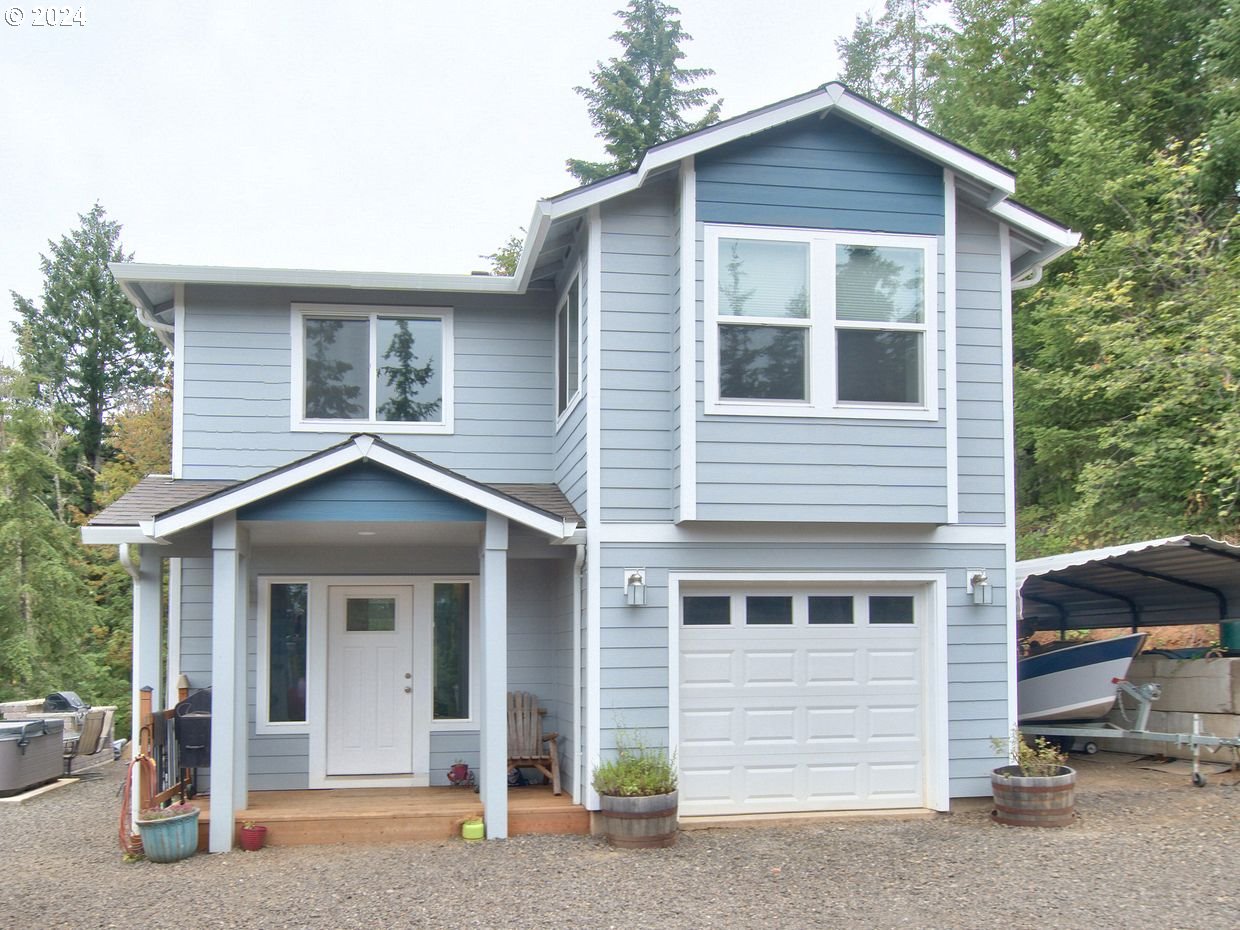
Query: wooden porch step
<point x="394" y="815"/>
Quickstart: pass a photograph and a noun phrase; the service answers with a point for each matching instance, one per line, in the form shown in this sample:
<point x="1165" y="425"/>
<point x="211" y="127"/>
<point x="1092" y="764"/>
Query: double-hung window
<point x="389" y="368"/>
<point x="820" y="323"/>
<point x="568" y="348"/>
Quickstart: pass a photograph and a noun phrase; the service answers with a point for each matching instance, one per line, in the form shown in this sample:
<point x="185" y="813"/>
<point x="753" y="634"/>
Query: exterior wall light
<point x="978" y="585"/>
<point x="635" y="587"/>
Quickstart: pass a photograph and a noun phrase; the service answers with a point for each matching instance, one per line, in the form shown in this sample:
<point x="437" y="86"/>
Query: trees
<point x="641" y="98"/>
<point x="82" y="346"/>
<point x="889" y="60"/>
<point x="45" y="608"/>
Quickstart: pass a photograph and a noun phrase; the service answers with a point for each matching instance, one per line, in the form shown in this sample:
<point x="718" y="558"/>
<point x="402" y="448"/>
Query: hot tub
<point x="31" y="753"/>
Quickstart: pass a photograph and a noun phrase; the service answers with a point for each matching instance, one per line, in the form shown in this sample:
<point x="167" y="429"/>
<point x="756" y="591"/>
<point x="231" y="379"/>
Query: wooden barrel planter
<point x="639" y="823"/>
<point x="1033" y="800"/>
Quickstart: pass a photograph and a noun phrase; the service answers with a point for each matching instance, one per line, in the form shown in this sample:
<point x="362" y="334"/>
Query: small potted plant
<point x="637" y="795"/>
<point x="253" y="836"/>
<point x="1037" y="788"/>
<point x="169" y="833"/>
<point x="458" y="773"/>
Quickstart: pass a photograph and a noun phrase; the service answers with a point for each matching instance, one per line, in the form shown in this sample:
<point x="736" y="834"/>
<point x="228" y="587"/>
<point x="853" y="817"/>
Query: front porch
<point x="393" y="815"/>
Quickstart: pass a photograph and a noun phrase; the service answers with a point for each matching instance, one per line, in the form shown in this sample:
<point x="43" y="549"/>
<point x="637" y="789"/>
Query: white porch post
<point x="228" y="682"/>
<point x="494" y="736"/>
<point x="146" y="624"/>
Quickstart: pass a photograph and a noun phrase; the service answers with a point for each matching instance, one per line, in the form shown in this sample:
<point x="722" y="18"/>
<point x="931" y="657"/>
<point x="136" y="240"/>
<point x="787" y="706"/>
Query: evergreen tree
<point x="640" y="98"/>
<point x="504" y="260"/>
<point x="45" y="609"/>
<point x="405" y="380"/>
<point x="890" y="60"/>
<point x="82" y="346"/>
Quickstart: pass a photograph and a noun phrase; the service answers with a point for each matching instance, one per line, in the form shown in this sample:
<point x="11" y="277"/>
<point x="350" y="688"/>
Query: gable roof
<point x="151" y="287"/>
<point x="160" y="506"/>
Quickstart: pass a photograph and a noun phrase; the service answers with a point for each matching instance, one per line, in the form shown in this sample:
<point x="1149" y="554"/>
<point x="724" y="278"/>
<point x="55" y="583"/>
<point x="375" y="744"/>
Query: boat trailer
<point x="1145" y="695"/>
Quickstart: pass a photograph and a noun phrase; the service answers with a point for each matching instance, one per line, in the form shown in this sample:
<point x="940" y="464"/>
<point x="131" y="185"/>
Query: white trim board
<point x="952" y="384"/>
<point x="594" y="509"/>
<point x="688" y="340"/>
<point x="1009" y="470"/>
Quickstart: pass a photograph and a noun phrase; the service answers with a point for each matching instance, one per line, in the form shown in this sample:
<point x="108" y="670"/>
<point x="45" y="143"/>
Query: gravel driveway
<point x="1149" y="850"/>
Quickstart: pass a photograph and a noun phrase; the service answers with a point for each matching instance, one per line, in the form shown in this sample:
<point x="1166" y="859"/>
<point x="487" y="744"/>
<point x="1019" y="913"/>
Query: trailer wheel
<point x="1090" y="748"/>
<point x="1199" y="780"/>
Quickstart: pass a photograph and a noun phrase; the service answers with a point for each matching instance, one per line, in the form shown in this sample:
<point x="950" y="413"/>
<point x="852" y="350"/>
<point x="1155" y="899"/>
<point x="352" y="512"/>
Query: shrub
<point x="637" y="770"/>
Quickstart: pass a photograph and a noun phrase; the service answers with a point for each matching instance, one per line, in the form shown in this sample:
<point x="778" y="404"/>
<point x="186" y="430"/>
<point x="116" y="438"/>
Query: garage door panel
<point x="801" y="717"/>
<point x="768" y="667"/>
<point x="832" y="667"/>
<point x="701" y="668"/>
<point x="892" y="666"/>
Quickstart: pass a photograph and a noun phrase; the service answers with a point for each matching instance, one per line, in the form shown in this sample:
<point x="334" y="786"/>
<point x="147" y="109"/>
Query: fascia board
<point x="233" y="500"/>
<point x="466" y="491"/>
<point x="540" y="225"/>
<point x="118" y="535"/>
<point x="926" y="143"/>
<point x="1030" y="222"/>
<point x="126" y="272"/>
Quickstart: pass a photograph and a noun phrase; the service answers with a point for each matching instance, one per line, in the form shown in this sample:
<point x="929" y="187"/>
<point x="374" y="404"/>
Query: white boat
<point x="1075" y="683"/>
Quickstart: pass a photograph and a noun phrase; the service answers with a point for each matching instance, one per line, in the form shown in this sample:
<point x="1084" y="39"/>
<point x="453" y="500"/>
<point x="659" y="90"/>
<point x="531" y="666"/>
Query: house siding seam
<point x="637" y="291"/>
<point x="237" y="360"/>
<point x="635" y="661"/>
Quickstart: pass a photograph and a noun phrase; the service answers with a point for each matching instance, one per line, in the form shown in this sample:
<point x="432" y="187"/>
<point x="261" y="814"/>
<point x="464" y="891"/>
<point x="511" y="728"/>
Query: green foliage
<point x="637" y="770"/>
<point x="891" y="60"/>
<point x="45" y="610"/>
<point x="504" y="260"/>
<point x="82" y="346"/>
<point x="1039" y="759"/>
<point x="640" y="99"/>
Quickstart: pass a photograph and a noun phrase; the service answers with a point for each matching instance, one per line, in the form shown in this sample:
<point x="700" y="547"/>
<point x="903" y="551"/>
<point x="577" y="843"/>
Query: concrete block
<point x="1204" y="686"/>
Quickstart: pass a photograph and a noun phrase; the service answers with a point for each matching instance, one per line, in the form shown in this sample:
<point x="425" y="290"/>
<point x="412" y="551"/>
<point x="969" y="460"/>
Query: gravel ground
<point x="1148" y="850"/>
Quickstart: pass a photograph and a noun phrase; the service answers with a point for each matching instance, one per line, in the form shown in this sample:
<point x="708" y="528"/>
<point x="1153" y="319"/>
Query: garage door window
<point x="707" y="611"/>
<point x="768" y="611"/>
<point x="830" y="609"/>
<point x="886" y="609"/>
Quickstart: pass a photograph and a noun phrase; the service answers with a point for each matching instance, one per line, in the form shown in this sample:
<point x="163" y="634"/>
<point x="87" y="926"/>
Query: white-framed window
<point x="385" y="368"/>
<point x="568" y="348"/>
<point x="282" y="671"/>
<point x="822" y="323"/>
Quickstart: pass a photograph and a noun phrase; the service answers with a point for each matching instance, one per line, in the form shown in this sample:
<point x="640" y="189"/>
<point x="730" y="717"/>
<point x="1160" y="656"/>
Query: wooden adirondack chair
<point x="528" y="746"/>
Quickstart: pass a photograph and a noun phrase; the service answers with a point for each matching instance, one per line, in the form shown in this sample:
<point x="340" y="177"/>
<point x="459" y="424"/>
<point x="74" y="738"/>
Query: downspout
<point x="578" y="774"/>
<point x="127" y="562"/>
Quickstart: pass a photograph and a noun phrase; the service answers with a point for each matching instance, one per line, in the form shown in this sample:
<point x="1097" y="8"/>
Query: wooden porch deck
<point x="394" y="815"/>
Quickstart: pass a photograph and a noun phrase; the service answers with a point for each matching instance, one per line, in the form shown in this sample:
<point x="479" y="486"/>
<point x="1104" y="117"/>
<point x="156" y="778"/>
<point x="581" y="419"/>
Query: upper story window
<point x="389" y="368"/>
<point x="820" y="323"/>
<point x="568" y="347"/>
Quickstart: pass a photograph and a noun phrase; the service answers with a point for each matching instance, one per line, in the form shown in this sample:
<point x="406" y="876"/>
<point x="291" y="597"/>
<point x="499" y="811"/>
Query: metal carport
<point x="1159" y="582"/>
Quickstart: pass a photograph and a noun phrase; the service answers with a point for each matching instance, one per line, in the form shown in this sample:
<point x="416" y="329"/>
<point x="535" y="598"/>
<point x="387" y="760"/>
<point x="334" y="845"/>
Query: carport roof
<point x="1159" y="582"/>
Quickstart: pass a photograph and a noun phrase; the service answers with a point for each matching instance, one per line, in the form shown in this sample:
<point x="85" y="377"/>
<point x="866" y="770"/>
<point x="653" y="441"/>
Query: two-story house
<point x="728" y="461"/>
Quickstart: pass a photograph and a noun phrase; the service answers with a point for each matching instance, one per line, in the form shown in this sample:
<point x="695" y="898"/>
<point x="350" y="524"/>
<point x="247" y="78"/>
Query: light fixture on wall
<point x="635" y="587"/>
<point x="978" y="586"/>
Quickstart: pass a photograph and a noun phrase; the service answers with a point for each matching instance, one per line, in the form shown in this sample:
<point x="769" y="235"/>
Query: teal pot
<point x="170" y="839"/>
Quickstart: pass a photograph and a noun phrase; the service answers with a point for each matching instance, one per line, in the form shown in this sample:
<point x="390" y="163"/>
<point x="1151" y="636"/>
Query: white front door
<point x="370" y="688"/>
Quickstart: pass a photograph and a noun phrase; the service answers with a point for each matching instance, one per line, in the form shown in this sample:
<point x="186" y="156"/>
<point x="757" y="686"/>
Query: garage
<point x="802" y="699"/>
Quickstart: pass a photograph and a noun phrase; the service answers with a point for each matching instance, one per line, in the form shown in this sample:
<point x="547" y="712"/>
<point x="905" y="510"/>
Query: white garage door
<point x="803" y="700"/>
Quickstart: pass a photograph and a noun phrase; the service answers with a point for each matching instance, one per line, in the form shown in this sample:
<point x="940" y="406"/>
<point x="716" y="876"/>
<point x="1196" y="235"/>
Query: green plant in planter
<point x="637" y="771"/>
<point x="1039" y="759"/>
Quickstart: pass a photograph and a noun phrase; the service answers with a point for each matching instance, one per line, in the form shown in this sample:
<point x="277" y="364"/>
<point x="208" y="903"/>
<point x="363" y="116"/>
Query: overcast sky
<point x="390" y="136"/>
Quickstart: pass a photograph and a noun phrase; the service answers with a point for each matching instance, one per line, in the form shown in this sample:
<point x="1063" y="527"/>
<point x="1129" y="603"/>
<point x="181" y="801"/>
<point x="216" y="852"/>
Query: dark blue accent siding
<point x="363" y="492"/>
<point x="824" y="174"/>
